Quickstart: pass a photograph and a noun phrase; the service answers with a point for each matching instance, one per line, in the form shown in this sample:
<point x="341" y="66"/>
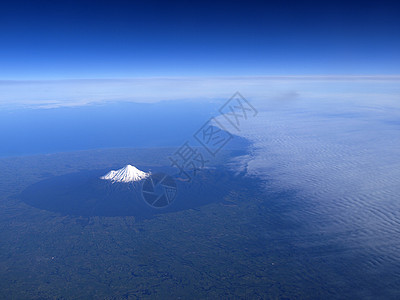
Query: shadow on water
<point x="85" y="194"/>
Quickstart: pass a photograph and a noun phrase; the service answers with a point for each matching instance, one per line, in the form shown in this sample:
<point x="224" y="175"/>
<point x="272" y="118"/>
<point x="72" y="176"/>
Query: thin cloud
<point x="77" y="92"/>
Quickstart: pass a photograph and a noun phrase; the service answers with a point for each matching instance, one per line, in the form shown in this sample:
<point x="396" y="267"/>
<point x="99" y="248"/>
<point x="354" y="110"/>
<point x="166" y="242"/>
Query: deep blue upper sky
<point x="105" y="39"/>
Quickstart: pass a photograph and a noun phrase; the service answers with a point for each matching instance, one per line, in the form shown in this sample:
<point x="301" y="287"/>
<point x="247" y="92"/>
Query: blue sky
<point x="122" y="39"/>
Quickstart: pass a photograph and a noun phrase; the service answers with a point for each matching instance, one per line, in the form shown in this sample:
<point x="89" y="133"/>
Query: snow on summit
<point x="126" y="174"/>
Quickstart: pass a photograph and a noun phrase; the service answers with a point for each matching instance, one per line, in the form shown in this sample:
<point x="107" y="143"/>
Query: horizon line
<point x="318" y="76"/>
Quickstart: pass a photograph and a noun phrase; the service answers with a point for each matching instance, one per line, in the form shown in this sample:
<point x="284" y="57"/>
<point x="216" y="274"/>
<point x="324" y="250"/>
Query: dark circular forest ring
<point x="85" y="194"/>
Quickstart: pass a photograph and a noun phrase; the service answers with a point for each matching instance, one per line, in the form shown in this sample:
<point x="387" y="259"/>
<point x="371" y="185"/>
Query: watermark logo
<point x="159" y="190"/>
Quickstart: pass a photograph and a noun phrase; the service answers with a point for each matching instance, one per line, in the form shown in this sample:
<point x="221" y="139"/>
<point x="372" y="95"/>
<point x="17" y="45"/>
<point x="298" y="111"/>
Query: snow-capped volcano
<point x="126" y="174"/>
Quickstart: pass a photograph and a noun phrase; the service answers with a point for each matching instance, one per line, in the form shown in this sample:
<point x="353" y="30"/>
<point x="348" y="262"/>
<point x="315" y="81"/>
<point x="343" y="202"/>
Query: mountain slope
<point x="126" y="174"/>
